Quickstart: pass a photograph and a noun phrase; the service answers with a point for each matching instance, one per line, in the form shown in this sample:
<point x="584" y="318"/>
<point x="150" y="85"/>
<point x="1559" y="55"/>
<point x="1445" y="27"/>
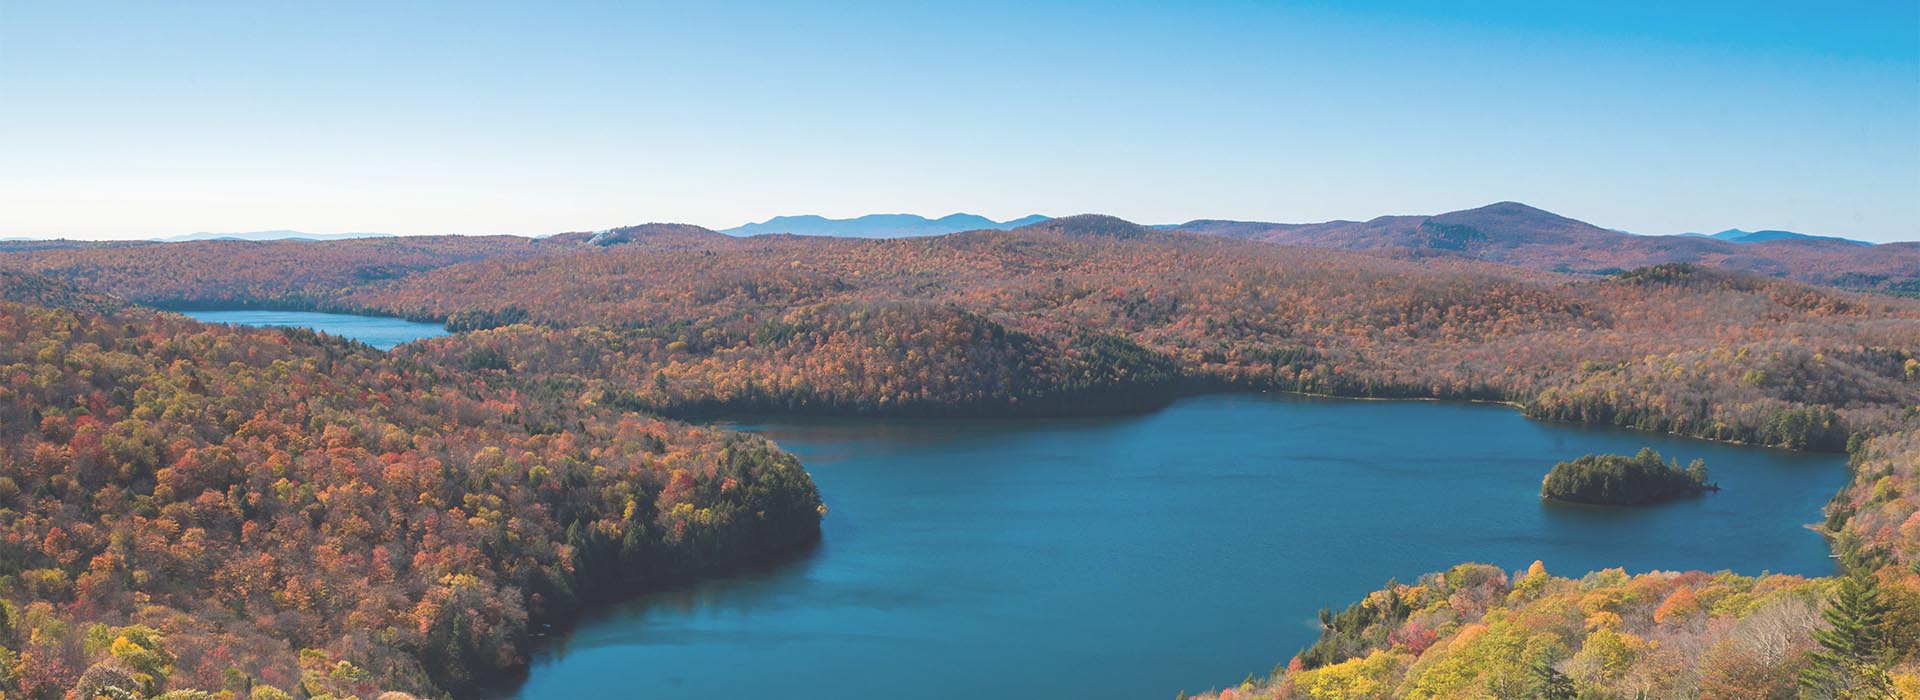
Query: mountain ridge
<point x="1527" y="236"/>
<point x="1764" y="235"/>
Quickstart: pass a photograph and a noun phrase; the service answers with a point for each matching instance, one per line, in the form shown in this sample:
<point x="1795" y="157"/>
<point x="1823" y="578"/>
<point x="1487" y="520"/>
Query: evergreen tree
<point x="1851" y="661"/>
<point x="1548" y="683"/>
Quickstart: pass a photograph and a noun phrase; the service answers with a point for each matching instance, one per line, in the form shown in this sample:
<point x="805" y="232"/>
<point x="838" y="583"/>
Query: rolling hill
<point x="1517" y="234"/>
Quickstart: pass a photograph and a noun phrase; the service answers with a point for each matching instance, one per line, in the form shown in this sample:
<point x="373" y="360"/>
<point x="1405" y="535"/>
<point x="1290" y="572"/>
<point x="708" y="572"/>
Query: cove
<point x="381" y="332"/>
<point x="1135" y="557"/>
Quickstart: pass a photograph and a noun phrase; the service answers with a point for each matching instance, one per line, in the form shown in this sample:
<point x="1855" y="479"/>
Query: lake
<point x="378" y="331"/>
<point x="1135" y="557"/>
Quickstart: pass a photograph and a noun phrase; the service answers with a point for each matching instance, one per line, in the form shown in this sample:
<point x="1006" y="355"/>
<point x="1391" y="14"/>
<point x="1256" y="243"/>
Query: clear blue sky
<point x="142" y="119"/>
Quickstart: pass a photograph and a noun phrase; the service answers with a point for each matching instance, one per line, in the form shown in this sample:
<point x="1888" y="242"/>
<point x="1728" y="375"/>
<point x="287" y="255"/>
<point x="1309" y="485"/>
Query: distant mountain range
<point x="1517" y="234"/>
<point x="1504" y="232"/>
<point x="269" y="236"/>
<point x="879" y="225"/>
<point x="1738" y="236"/>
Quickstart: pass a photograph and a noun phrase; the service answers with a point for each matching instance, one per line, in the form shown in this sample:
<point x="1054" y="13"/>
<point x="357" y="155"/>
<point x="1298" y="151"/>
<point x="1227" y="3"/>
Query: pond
<point x="381" y="332"/>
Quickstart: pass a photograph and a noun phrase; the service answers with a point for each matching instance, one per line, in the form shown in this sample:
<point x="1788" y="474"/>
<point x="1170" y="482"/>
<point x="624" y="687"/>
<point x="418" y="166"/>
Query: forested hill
<point x="1517" y="234"/>
<point x="1076" y="314"/>
<point x="185" y="506"/>
<point x="1095" y="306"/>
<point x="229" y="273"/>
<point x="39" y="290"/>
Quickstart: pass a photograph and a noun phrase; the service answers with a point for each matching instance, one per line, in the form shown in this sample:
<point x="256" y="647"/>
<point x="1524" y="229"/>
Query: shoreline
<point x="1152" y="398"/>
<point x="769" y="559"/>
<point x="1304" y="606"/>
<point x="552" y="629"/>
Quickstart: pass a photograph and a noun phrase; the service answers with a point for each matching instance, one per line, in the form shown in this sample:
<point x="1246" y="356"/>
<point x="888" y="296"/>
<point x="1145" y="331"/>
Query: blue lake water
<point x="378" y="331"/>
<point x="1135" y="557"/>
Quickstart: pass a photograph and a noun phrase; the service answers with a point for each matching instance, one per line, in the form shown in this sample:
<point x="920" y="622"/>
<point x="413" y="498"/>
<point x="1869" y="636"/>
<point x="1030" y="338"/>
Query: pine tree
<point x="1851" y="662"/>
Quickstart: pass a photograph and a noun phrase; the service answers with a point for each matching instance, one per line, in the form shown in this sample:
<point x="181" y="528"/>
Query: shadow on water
<point x="737" y="586"/>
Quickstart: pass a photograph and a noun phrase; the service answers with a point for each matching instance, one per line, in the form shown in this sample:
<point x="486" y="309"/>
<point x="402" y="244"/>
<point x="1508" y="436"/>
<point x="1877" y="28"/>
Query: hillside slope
<point x="185" y="506"/>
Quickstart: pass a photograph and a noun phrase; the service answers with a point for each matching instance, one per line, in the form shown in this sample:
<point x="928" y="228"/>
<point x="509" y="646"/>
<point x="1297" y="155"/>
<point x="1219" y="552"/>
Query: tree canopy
<point x="185" y="506"/>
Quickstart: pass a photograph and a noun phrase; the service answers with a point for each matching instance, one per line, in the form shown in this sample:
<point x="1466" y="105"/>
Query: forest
<point x="1096" y="304"/>
<point x="242" y="274"/>
<point x="1070" y="315"/>
<point x="468" y="485"/>
<point x="1476" y="631"/>
<point x="278" y="514"/>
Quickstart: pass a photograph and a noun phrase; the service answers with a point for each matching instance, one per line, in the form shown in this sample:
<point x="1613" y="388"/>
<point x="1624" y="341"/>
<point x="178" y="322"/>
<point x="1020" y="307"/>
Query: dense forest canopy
<point x="1476" y="632"/>
<point x="185" y="506"/>
<point x="231" y="274"/>
<point x="790" y="322"/>
<point x="474" y="482"/>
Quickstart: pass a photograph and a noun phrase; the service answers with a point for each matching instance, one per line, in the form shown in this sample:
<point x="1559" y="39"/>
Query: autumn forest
<point x="201" y="511"/>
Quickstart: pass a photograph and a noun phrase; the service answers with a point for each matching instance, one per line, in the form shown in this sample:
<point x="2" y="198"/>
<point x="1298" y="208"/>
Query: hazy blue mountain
<point x="1738" y="236"/>
<point x="879" y="225"/>
<point x="269" y="236"/>
<point x="1027" y="220"/>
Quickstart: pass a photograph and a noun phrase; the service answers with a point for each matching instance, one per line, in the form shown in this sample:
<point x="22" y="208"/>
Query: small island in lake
<point x="1619" y="480"/>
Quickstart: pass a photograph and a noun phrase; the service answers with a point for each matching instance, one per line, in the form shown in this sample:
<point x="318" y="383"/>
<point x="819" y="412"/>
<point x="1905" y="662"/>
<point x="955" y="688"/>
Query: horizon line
<point x="348" y="235"/>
